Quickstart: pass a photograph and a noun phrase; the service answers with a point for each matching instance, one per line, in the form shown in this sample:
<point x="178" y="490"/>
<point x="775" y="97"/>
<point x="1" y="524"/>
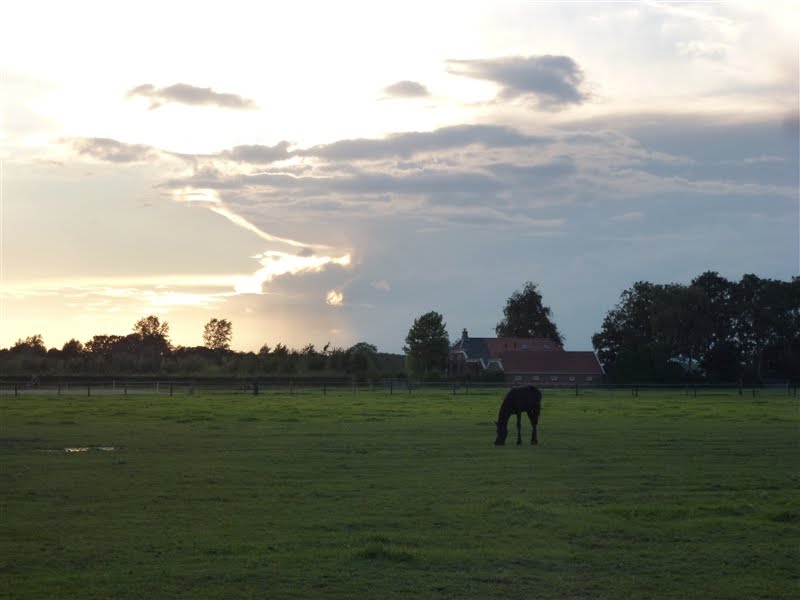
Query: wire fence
<point x="399" y="387"/>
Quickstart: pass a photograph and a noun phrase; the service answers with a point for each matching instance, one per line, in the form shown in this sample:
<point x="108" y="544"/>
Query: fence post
<point x="125" y="392"/>
<point x="16" y="389"/>
<point x="170" y="388"/>
<point x="88" y="389"/>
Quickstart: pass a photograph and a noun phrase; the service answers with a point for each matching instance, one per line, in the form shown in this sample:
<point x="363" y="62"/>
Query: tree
<point x="525" y="316"/>
<point x="72" y="349"/>
<point x="102" y="346"/>
<point x="153" y="340"/>
<point x="649" y="335"/>
<point x="766" y="320"/>
<point x="33" y="345"/>
<point x="720" y="353"/>
<point x="360" y="358"/>
<point x="427" y="343"/>
<point x="217" y="334"/>
<point x="151" y="327"/>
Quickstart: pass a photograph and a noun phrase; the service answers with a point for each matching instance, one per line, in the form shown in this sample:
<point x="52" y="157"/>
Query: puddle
<point x="77" y="449"/>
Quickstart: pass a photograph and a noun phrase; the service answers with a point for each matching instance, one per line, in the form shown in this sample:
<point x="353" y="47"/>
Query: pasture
<point x="369" y="495"/>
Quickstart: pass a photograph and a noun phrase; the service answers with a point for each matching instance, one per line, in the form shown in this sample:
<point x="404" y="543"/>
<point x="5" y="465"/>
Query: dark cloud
<point x="560" y="167"/>
<point x="184" y="93"/>
<point x="407" y="89"/>
<point x="112" y="150"/>
<point x="405" y="145"/>
<point x="554" y="81"/>
<point x="258" y="154"/>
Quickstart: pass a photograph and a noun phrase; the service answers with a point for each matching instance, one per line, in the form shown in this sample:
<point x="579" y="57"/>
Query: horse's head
<point x="502" y="434"/>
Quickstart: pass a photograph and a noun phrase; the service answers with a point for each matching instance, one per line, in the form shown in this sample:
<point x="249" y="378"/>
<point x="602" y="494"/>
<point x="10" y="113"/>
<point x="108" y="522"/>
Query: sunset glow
<point x="330" y="171"/>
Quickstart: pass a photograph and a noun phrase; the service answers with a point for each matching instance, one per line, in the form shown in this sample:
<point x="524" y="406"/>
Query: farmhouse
<point x="524" y="360"/>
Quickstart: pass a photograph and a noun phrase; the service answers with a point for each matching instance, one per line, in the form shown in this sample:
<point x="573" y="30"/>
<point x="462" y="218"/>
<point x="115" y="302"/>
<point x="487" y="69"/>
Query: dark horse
<point x="526" y="399"/>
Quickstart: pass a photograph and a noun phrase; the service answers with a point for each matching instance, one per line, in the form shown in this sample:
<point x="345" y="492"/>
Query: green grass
<point x="378" y="496"/>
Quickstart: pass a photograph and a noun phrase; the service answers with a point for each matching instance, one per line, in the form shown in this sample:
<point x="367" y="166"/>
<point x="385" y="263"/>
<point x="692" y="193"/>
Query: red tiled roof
<point x="567" y="363"/>
<point x="497" y="346"/>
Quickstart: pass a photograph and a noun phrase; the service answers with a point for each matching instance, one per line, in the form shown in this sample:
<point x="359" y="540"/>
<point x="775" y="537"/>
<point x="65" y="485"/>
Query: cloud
<point x="183" y="93"/>
<point x="407" y="89"/>
<point x="114" y="151"/>
<point x="408" y="144"/>
<point x="334" y="298"/>
<point x="211" y="199"/>
<point x="555" y="82"/>
<point x="258" y="154"/>
<point x="381" y="285"/>
<point x="699" y="49"/>
<point x="274" y="264"/>
<point x="629" y="217"/>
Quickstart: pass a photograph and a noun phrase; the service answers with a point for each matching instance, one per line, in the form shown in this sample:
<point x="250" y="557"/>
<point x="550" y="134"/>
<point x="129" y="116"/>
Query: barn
<point x="524" y="360"/>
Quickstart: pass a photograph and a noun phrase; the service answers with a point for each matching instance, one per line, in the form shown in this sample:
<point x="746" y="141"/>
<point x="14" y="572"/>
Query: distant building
<point x="524" y="360"/>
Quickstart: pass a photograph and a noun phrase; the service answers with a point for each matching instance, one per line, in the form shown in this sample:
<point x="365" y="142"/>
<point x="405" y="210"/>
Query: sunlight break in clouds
<point x="334" y="298"/>
<point x="214" y="202"/>
<point x="273" y="263"/>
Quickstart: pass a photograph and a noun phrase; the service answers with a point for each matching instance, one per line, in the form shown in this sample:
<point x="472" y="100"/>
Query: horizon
<point x="327" y="174"/>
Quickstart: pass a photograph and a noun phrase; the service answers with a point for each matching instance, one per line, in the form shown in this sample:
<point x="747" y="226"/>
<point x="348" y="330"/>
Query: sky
<point x="327" y="172"/>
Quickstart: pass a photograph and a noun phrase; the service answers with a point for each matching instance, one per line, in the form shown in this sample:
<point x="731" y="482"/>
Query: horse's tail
<point x="537" y="400"/>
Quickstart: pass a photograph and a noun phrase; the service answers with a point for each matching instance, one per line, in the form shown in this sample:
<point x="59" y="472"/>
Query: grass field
<point x="378" y="496"/>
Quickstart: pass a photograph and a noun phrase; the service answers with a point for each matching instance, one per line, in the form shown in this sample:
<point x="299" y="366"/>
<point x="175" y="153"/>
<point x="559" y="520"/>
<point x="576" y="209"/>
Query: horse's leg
<point x="534" y="419"/>
<point x="519" y="429"/>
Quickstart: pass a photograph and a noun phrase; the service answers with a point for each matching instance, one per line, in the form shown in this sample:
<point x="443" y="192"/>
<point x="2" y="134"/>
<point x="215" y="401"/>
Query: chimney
<point x="464" y="336"/>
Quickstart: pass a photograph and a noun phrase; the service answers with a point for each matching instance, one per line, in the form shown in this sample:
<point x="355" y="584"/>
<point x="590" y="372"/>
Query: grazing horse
<point x="526" y="399"/>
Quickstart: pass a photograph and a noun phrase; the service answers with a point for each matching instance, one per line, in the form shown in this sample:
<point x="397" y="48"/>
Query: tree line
<point x="712" y="329"/>
<point x="709" y="330"/>
<point x="148" y="351"/>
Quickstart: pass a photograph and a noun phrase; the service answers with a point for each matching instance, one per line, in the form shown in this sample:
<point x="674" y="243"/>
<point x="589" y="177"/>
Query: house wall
<point x="554" y="379"/>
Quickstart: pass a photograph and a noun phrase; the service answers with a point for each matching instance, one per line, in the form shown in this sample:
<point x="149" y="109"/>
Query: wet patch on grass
<point x="80" y="449"/>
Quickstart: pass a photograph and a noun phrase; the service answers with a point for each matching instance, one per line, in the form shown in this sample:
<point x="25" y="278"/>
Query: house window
<point x="572" y="378"/>
<point x="517" y="377"/>
<point x="536" y="378"/>
<point x="553" y="377"/>
<point x="588" y="378"/>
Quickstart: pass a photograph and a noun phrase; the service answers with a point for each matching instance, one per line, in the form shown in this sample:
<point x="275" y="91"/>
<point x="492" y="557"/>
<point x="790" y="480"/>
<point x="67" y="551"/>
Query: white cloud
<point x="334" y="298"/>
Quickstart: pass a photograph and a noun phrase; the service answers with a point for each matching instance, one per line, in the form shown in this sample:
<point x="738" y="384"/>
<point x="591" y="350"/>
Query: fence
<point x="122" y="387"/>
